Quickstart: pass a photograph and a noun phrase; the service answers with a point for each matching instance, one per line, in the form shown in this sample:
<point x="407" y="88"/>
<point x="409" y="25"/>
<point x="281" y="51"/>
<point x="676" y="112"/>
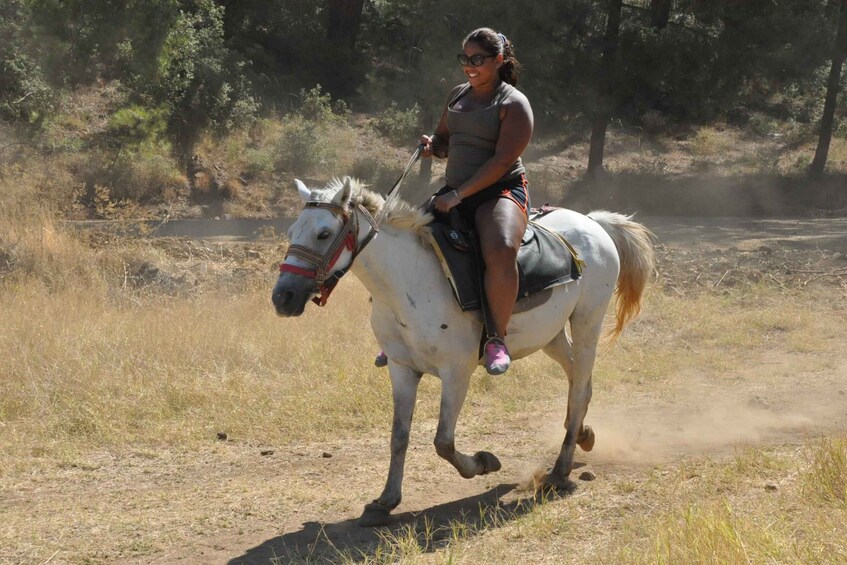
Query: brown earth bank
<point x="238" y="501"/>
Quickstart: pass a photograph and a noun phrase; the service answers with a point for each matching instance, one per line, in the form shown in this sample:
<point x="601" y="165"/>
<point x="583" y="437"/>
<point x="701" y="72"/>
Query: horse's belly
<point x="531" y="330"/>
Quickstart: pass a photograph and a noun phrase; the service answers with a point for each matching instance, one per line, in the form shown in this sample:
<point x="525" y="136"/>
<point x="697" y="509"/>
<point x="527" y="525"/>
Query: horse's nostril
<point x="280" y="298"/>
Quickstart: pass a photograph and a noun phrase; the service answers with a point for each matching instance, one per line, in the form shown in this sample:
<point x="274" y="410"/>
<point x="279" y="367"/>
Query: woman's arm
<point x="437" y="144"/>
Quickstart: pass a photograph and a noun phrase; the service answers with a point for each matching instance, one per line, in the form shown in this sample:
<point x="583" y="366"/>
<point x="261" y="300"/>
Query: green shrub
<point x="25" y="95"/>
<point x="137" y="125"/>
<point x="316" y="136"/>
<point x="317" y="106"/>
<point x="399" y="126"/>
<point x="142" y="176"/>
<point x="302" y="148"/>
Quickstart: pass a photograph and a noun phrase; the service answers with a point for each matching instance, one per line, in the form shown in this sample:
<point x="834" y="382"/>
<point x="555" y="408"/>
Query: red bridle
<point x="325" y="277"/>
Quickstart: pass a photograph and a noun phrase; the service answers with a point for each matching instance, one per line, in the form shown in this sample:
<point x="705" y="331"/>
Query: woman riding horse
<point x="485" y="126"/>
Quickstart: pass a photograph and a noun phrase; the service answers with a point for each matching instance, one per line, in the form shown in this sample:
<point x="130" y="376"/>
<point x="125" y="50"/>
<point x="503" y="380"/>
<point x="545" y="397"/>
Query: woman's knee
<point x="500" y="251"/>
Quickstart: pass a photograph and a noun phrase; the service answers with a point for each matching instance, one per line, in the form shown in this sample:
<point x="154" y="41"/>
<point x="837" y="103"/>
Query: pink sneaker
<point x="381" y="359"/>
<point x="497" y="358"/>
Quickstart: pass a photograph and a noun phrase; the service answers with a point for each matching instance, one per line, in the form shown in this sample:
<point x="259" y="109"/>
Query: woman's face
<point x="487" y="72"/>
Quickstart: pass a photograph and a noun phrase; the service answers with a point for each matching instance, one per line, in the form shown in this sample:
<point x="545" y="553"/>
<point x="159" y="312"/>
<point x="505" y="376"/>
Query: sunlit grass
<point x="81" y="372"/>
<point x="92" y="366"/>
<point x="826" y="480"/>
<point x="701" y="511"/>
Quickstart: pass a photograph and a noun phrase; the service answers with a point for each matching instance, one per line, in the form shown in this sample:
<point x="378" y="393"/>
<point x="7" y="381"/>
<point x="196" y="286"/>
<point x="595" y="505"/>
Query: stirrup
<point x="497" y="359"/>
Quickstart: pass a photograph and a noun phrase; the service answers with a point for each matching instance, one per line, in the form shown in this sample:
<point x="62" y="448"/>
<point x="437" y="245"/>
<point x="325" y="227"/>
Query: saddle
<point x="545" y="259"/>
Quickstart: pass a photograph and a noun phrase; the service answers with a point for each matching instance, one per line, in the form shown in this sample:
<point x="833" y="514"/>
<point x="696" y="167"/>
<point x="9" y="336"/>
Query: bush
<point x="204" y="83"/>
<point x="315" y="135"/>
<point x="143" y="176"/>
<point x="399" y="126"/>
<point x="26" y="96"/>
<point x="137" y="125"/>
<point x="317" y="106"/>
<point x="305" y="147"/>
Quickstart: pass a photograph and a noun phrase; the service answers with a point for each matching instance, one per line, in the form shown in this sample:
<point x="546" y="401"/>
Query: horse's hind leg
<point x="577" y="358"/>
<point x="454" y="389"/>
<point x="561" y="351"/>
<point x="404" y="387"/>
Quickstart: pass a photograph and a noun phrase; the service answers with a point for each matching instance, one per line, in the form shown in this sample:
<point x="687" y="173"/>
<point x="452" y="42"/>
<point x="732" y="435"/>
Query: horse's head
<point x="323" y="242"/>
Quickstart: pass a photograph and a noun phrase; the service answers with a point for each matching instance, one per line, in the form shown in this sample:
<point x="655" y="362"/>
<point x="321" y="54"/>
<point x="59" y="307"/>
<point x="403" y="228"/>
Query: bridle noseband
<point x="347" y="238"/>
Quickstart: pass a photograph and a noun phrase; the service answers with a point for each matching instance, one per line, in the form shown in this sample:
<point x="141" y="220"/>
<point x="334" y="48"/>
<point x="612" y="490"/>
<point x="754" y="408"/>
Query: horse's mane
<point x="398" y="213"/>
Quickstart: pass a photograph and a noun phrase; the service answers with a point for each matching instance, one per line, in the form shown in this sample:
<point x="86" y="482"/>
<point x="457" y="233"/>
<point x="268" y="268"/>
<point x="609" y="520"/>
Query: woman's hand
<point x="426" y="141"/>
<point x="446" y="202"/>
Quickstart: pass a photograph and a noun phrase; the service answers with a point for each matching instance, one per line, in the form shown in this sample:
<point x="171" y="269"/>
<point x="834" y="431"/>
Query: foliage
<point x="317" y="106"/>
<point x="399" y="126"/>
<point x="316" y="134"/>
<point x="203" y="57"/>
<point x="85" y="40"/>
<point x="195" y="68"/>
<point x="25" y="96"/>
<point x="137" y="125"/>
<point x="203" y="82"/>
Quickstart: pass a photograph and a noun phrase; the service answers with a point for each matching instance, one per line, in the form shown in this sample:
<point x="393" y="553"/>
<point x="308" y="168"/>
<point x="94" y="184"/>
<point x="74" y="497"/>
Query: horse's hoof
<point x="375" y="514"/>
<point x="586" y="439"/>
<point x="553" y="483"/>
<point x="489" y="462"/>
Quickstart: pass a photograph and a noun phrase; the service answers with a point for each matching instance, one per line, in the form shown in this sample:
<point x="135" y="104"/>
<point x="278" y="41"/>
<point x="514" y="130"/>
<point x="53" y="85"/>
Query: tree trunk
<point x="343" y="17"/>
<point x="660" y="13"/>
<point x="338" y="61"/>
<point x="605" y="88"/>
<point x="833" y="84"/>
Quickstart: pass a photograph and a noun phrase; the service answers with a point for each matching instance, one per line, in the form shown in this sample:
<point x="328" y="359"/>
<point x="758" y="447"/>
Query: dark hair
<point x="496" y="44"/>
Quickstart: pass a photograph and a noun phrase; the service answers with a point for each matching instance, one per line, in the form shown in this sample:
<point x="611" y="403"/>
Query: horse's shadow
<point x="432" y="529"/>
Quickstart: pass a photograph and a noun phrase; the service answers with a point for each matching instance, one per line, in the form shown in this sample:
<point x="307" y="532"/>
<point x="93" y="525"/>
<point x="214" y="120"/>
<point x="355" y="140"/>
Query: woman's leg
<point x="501" y="225"/>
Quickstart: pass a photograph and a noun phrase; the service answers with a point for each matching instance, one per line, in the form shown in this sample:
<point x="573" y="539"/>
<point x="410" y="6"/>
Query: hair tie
<point x="504" y="40"/>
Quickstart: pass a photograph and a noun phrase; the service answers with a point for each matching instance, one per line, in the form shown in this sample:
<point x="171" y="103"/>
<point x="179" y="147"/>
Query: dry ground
<point x="707" y="413"/>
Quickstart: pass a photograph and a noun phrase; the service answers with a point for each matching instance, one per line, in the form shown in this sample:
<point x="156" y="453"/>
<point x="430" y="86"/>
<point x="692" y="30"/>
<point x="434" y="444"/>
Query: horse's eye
<point x="324" y="234"/>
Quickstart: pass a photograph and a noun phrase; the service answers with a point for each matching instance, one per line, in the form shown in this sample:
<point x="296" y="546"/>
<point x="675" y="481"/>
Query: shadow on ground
<point x="433" y="528"/>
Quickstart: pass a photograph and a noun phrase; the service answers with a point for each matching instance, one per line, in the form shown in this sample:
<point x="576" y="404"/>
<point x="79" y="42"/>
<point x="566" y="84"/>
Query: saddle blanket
<point x="545" y="260"/>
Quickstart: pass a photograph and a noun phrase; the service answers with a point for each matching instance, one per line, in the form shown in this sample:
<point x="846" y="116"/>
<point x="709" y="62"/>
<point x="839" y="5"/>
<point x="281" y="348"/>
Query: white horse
<point x="419" y="324"/>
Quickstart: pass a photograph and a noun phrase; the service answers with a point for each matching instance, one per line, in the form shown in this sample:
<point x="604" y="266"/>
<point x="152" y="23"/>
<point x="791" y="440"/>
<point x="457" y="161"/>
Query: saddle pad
<point x="544" y="261"/>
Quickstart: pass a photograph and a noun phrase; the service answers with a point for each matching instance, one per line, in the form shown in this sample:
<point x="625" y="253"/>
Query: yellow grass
<point x="81" y="371"/>
<point x="699" y="512"/>
<point x="94" y="370"/>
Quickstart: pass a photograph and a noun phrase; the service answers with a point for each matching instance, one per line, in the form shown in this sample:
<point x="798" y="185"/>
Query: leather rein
<point x="325" y="277"/>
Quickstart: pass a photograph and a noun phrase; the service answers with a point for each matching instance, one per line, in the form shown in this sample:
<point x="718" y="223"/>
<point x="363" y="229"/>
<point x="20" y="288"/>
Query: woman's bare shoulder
<point x="516" y="97"/>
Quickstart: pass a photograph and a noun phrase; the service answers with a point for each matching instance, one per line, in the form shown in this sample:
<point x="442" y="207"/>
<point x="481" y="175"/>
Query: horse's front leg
<point x="404" y="386"/>
<point x="454" y="389"/>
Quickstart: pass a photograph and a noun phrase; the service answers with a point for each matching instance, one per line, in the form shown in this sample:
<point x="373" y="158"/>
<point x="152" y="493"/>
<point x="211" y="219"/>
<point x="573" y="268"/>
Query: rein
<point x="325" y="278"/>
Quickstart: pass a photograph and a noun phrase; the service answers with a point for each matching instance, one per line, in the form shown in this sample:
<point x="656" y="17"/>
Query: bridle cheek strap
<point x="326" y="283"/>
<point x="346" y="239"/>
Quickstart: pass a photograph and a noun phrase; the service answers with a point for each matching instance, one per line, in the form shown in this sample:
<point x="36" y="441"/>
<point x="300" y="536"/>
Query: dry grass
<point x="94" y="368"/>
<point x="748" y="509"/>
<point x="82" y="372"/>
<point x="112" y="396"/>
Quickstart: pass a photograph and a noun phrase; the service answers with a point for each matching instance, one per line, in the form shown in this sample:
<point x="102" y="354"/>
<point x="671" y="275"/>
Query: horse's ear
<point x="302" y="189"/>
<point x="342" y="197"/>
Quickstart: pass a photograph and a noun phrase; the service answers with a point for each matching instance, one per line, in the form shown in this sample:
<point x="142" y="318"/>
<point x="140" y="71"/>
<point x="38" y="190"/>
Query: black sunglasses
<point x="475" y="60"/>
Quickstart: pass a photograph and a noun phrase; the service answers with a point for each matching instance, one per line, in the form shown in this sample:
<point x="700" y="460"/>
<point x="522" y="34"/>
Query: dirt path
<point x="816" y="234"/>
<point x="243" y="503"/>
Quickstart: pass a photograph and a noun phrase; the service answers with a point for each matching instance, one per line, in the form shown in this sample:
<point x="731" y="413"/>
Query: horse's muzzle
<point x="288" y="299"/>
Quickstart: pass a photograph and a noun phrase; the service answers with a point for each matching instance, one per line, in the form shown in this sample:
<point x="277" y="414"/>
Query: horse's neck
<point x="397" y="267"/>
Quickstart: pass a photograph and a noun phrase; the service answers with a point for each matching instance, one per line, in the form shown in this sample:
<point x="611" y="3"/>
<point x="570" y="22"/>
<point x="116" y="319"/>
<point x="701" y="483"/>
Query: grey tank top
<point x="473" y="137"/>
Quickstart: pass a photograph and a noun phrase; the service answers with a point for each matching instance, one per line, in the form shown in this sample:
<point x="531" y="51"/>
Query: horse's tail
<point x="634" y="243"/>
